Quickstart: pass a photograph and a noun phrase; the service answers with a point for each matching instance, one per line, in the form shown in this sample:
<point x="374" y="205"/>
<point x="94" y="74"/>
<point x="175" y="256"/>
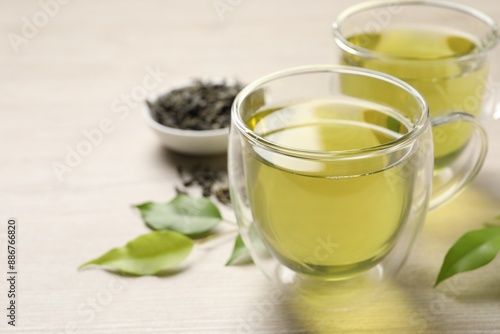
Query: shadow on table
<point x="389" y="310"/>
<point x="313" y="312"/>
<point x="187" y="162"/>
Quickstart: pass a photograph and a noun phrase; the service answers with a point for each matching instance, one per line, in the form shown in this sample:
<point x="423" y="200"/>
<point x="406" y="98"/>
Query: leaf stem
<point x="228" y="222"/>
<point x="214" y="236"/>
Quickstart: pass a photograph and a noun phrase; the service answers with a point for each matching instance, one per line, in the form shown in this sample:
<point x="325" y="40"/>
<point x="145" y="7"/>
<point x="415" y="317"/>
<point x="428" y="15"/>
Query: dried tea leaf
<point x="212" y="181"/>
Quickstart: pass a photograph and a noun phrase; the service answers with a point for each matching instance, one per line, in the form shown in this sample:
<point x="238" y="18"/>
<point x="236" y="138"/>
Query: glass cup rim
<point x="369" y="5"/>
<point x="366" y="152"/>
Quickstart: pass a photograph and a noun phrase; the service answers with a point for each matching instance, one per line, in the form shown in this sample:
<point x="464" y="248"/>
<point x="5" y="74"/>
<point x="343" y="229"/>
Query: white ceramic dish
<point x="192" y="142"/>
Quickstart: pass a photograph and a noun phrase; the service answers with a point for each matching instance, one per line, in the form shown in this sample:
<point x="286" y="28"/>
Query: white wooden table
<point x="73" y="72"/>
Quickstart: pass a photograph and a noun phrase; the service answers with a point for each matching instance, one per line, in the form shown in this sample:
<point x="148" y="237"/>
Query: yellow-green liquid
<point x="427" y="60"/>
<point x="328" y="219"/>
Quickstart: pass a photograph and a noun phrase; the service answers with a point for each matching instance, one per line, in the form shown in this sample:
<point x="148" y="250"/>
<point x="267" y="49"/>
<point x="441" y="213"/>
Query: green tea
<point x="427" y="59"/>
<point x="330" y="219"/>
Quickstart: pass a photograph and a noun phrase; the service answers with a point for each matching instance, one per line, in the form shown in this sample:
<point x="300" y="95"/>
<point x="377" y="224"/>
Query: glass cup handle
<point x="451" y="179"/>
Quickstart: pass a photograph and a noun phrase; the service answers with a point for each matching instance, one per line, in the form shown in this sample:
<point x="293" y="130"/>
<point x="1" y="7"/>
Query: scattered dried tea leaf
<point x="222" y="193"/>
<point x="212" y="181"/>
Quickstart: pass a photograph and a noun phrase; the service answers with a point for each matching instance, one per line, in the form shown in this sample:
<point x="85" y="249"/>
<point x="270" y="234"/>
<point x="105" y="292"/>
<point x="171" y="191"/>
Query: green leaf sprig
<point x="473" y="250"/>
<point x="194" y="217"/>
<point x="240" y="254"/>
<point x="177" y="227"/>
<point x="148" y="254"/>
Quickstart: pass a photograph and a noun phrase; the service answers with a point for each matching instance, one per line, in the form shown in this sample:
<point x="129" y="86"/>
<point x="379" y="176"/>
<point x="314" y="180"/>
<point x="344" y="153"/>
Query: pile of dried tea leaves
<point x="199" y="106"/>
<point x="211" y="181"/>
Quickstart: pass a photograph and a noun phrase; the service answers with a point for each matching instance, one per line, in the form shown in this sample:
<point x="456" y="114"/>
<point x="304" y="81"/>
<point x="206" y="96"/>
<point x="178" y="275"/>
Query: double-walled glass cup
<point x="440" y="48"/>
<point x="329" y="183"/>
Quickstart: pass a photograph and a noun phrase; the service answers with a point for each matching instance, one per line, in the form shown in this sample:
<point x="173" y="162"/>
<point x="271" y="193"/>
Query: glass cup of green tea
<point x="327" y="183"/>
<point x="440" y="48"/>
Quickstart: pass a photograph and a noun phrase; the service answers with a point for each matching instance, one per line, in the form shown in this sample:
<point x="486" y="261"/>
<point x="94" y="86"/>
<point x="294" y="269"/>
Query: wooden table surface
<point x="75" y="70"/>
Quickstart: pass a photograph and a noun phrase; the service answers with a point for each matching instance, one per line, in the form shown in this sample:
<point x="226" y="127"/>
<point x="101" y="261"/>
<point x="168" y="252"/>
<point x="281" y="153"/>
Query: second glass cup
<point x="442" y="49"/>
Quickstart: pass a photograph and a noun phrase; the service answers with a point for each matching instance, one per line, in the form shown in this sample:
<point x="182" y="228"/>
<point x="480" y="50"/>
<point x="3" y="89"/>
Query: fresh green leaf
<point x="473" y="250"/>
<point x="240" y="253"/>
<point x="148" y="254"/>
<point x="194" y="217"/>
<point x="494" y="223"/>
